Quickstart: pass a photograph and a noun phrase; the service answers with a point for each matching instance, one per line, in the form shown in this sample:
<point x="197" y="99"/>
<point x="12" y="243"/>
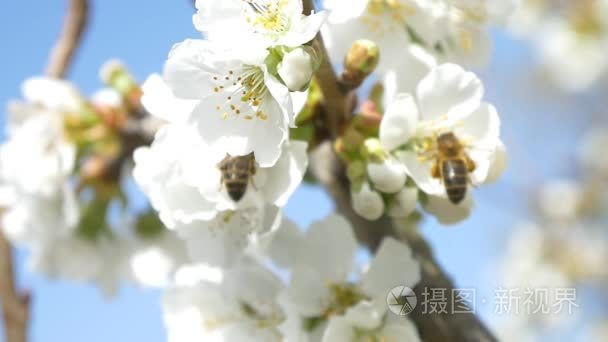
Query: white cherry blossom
<point x="242" y="108"/>
<point x="257" y="22"/>
<point x="447" y="100"/>
<point x="181" y="177"/>
<point x="369" y="321"/>
<point x="321" y="261"/>
<point x="36" y="162"/>
<point x="241" y="306"/>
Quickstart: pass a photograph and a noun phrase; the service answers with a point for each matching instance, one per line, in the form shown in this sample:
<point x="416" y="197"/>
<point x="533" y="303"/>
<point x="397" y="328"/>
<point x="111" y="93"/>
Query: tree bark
<point x="15" y="306"/>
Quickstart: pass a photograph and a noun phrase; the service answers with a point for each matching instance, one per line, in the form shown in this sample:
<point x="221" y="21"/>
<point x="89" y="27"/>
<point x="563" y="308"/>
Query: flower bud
<point x="296" y="69"/>
<point x="355" y="170"/>
<point x="116" y="75"/>
<point x="404" y="203"/>
<point x="388" y="176"/>
<point x="372" y="150"/>
<point x="368" y="203"/>
<point x="353" y="139"/>
<point x="361" y="60"/>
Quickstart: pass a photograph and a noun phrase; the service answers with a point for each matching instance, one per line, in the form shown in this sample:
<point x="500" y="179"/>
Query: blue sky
<point x="141" y="36"/>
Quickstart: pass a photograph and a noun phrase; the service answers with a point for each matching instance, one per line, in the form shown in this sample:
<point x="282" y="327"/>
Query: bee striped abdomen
<point x="236" y="174"/>
<point x="455" y="178"/>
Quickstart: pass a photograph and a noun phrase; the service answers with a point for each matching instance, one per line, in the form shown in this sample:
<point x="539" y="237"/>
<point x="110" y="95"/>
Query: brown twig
<point x="15" y="306"/>
<point x="69" y="39"/>
<point x="330" y="171"/>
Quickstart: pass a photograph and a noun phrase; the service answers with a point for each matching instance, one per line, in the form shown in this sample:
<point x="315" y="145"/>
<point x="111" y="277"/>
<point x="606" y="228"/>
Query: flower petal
<point x="448" y="90"/>
<point x="158" y="99"/>
<point x="191" y="66"/>
<point x="238" y="136"/>
<point x="498" y="163"/>
<point x="381" y="276"/>
<point x="339" y="330"/>
<point x="420" y="172"/>
<point x="366" y="315"/>
<point x="413" y="65"/>
<point x="399" y="122"/>
<point x="480" y="129"/>
<point x="285" y="244"/>
<point x="329" y="248"/>
<point x="446" y="212"/>
<point x="304" y="31"/>
<point x="308" y="291"/>
<point x="287" y="174"/>
<point x="341" y="10"/>
<point x="282" y="98"/>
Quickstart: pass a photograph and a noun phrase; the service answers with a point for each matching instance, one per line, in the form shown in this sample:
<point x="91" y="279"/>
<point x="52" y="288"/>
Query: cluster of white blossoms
<point x="571" y="38"/>
<point x="411" y="154"/>
<point x="244" y="77"/>
<point x="48" y="208"/>
<point x="222" y="168"/>
<point x="326" y="297"/>
<point x="180" y="174"/>
<point x="411" y="34"/>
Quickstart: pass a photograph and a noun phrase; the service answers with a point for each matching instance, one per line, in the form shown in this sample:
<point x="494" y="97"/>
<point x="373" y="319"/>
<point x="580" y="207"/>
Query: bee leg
<point x="435" y="171"/>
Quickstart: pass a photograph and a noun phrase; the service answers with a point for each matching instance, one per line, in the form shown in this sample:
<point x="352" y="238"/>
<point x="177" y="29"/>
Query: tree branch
<point x="330" y="171"/>
<point x="65" y="48"/>
<point x="15" y="306"/>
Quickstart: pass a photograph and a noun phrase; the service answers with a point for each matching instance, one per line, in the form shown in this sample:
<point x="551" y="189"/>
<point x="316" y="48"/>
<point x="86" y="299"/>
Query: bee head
<point x="449" y="144"/>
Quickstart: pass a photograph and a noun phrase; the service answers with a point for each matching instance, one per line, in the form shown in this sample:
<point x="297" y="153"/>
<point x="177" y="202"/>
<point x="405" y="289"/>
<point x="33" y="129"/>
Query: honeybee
<point x="452" y="166"/>
<point x="237" y="172"/>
